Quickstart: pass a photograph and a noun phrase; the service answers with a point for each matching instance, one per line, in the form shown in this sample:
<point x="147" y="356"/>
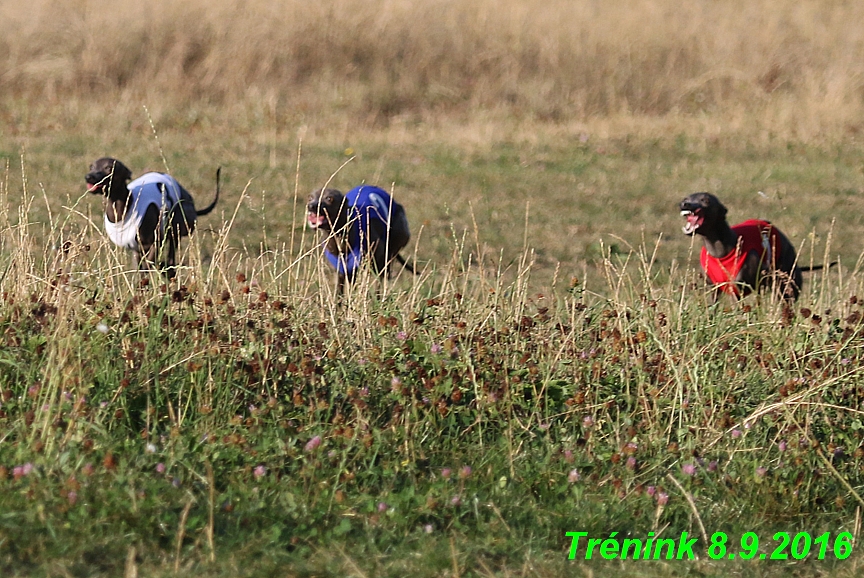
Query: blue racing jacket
<point x="365" y="205"/>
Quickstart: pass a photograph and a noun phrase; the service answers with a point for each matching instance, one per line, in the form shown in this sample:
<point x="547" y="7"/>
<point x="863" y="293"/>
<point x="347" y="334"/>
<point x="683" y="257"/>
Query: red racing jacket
<point x="753" y="235"/>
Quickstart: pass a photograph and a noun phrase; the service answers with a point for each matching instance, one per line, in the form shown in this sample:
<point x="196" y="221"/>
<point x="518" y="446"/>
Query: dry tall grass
<point x="792" y="62"/>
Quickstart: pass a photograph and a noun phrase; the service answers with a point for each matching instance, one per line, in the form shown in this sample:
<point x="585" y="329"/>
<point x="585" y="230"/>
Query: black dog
<point x="363" y="223"/>
<point x="743" y="258"/>
<point x="151" y="211"/>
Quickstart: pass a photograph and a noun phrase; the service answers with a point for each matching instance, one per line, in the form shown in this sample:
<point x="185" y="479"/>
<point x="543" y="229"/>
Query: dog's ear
<point x="333" y="197"/>
<point x="712" y="204"/>
<point x="121" y="172"/>
<point x="721" y="209"/>
<point x="326" y="199"/>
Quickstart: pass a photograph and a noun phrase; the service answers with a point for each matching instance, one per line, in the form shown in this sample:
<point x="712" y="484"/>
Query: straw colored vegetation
<point x="554" y="367"/>
<point x="797" y="65"/>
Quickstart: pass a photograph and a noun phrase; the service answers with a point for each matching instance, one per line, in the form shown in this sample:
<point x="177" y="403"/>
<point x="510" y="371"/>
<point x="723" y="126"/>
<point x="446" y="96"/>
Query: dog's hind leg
<point x="790" y="285"/>
<point x="399" y="233"/>
<point x="170" y="263"/>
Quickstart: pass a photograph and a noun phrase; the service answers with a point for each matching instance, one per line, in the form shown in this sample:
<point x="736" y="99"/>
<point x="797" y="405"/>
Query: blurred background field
<point x="795" y="65"/>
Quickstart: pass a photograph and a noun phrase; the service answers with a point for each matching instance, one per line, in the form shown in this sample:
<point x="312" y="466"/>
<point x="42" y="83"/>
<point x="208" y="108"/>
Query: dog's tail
<point x="405" y="263"/>
<point x="212" y="205"/>
<point x="817" y="267"/>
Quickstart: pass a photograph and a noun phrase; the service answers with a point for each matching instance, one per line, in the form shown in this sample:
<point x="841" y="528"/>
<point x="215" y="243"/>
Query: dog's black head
<point x="108" y="176"/>
<point x="701" y="210"/>
<point x="326" y="210"/>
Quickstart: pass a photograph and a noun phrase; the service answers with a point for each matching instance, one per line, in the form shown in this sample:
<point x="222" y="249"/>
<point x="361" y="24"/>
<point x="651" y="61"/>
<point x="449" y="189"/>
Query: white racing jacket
<point x="149" y="189"/>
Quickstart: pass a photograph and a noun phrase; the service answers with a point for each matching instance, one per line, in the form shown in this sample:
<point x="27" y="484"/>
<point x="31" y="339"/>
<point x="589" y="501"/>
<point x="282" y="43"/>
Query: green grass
<point x="621" y="189"/>
<point x="238" y="422"/>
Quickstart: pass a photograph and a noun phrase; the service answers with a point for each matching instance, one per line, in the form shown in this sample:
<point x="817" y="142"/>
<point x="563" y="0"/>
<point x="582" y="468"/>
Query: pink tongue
<point x="316" y="220"/>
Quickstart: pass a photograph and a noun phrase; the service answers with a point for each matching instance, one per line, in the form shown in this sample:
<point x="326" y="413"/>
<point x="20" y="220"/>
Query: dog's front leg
<point x="378" y="257"/>
<point x="754" y="273"/>
<point x="146" y="256"/>
<point x="713" y="291"/>
<point x="138" y="256"/>
<point x="148" y="238"/>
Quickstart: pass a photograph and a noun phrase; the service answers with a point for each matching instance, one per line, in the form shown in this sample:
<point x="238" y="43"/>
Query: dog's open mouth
<point x="316" y="221"/>
<point x="92" y="188"/>
<point x="694" y="221"/>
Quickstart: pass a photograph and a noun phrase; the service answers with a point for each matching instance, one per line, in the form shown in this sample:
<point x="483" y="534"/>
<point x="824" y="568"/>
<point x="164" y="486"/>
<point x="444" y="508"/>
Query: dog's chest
<point x="151" y="189"/>
<point x="124" y="233"/>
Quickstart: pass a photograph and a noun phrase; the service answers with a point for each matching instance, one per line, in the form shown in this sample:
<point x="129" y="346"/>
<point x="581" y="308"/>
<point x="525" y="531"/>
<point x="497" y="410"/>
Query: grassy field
<point x="565" y="377"/>
<point x="555" y="367"/>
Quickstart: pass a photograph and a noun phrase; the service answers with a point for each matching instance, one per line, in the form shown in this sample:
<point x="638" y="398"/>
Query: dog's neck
<point x="115" y="211"/>
<point x="340" y="236"/>
<point x="719" y="240"/>
<point x="116" y="202"/>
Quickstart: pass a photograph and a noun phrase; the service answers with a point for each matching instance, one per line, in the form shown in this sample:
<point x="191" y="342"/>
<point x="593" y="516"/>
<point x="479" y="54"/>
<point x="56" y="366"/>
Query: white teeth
<point x="686" y="213"/>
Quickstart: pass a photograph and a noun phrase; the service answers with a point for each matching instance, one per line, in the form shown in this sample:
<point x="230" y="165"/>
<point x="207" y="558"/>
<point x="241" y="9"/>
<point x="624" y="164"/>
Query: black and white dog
<point x="148" y="215"/>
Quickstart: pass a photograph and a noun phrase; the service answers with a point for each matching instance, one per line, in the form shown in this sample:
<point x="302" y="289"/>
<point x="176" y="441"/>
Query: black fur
<point x="109" y="177"/>
<point x="706" y="217"/>
<point x="328" y="211"/>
